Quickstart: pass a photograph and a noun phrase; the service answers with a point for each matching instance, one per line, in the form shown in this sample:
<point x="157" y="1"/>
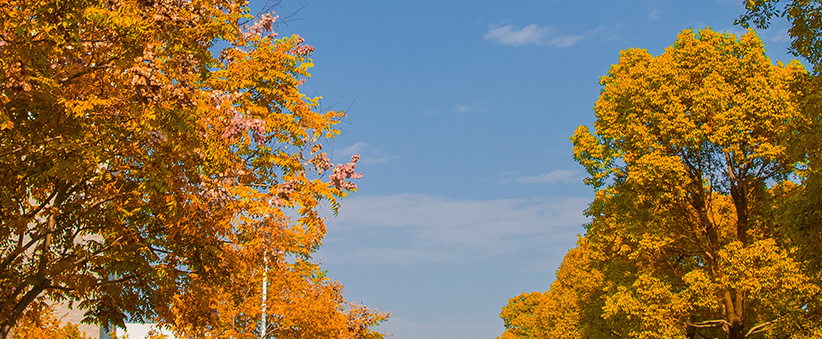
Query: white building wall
<point x="140" y="331"/>
<point x="75" y="316"/>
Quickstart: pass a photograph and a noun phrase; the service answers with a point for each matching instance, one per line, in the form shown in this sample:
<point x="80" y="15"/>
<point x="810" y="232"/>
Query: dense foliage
<point x="44" y="325"/>
<point x="804" y="17"/>
<point x="706" y="202"/>
<point x="143" y="176"/>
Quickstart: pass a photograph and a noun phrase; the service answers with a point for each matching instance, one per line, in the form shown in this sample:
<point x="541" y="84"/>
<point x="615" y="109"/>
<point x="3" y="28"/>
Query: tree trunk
<point x="736" y="330"/>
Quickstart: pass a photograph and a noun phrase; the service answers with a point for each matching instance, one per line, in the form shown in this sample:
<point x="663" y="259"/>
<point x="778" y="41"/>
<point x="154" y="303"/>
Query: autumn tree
<point x="42" y="324"/>
<point x="143" y="176"/>
<point x="569" y="309"/>
<point x="804" y="17"/>
<point x="689" y="157"/>
<point x="803" y="207"/>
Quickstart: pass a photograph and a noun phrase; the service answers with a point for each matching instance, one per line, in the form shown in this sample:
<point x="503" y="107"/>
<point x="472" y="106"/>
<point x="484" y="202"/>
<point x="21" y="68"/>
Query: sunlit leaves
<point x="142" y="175"/>
<point x="689" y="155"/>
<point x="805" y="31"/>
<point x="34" y="326"/>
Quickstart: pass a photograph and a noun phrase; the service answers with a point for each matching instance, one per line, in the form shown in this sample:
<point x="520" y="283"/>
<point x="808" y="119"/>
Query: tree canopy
<point x="144" y="177"/>
<point x="698" y="159"/>
<point x="804" y="17"/>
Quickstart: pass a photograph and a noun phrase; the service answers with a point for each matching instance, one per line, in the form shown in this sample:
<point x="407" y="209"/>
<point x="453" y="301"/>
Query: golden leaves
<point x="686" y="238"/>
<point x="114" y="126"/>
<point x="696" y="93"/>
<point x="44" y="325"/>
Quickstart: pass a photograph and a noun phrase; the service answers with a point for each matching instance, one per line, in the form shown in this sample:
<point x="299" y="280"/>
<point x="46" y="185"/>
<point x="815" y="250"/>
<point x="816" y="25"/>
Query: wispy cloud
<point x="557" y="176"/>
<point x="735" y="30"/>
<point x="356" y="148"/>
<point x="462" y="108"/>
<point x="779" y="36"/>
<point x="368" y="154"/>
<point x="654" y="14"/>
<point x="458" y="108"/>
<point x="530" y="34"/>
<point x="508" y="35"/>
<point x="566" y="40"/>
<point x="416" y="228"/>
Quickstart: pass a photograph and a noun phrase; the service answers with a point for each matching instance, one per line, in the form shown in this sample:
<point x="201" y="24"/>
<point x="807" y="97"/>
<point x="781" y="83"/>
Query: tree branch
<point x="18" y="149"/>
<point x="764" y="327"/>
<point x="709" y="323"/>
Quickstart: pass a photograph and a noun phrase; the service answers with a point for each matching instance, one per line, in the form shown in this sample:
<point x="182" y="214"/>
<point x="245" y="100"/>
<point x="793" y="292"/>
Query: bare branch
<point x="709" y="323"/>
<point x="763" y="327"/>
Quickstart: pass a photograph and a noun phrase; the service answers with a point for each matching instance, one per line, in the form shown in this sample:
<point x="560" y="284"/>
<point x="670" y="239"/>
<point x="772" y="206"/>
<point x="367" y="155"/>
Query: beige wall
<point x="75" y="316"/>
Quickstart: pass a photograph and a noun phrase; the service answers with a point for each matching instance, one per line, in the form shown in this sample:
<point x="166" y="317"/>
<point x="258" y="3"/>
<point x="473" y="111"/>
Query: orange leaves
<point x="146" y="176"/>
<point x="44" y="325"/>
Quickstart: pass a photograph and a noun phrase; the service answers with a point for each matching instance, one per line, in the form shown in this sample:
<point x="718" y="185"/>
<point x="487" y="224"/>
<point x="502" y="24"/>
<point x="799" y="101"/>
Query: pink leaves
<point x="302" y="50"/>
<point x="262" y="25"/>
<point x="240" y="125"/>
<point x="342" y="172"/>
<point x="321" y="162"/>
<point x="266" y="21"/>
<point x="263" y="29"/>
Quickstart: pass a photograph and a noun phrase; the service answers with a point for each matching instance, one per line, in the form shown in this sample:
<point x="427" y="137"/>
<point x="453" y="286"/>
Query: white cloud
<point x="735" y="30"/>
<point x="416" y="228"/>
<point x="356" y="148"/>
<point x="396" y="256"/>
<point x="564" y="40"/>
<point x="774" y="35"/>
<point x="445" y="327"/>
<point x="531" y="34"/>
<point x="654" y="14"/>
<point x="462" y="108"/>
<point x="780" y="36"/>
<point x="552" y="177"/>
<point x="507" y="35"/>
<point x="368" y="155"/>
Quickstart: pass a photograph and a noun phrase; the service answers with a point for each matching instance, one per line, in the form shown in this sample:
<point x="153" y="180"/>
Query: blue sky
<point x="461" y="111"/>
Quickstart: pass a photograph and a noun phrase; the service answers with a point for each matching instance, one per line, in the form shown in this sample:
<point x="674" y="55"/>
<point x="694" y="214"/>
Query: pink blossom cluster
<point x="216" y="198"/>
<point x="302" y="50"/>
<point x="218" y="97"/>
<point x="342" y="172"/>
<point x="157" y="137"/>
<point x="321" y="162"/>
<point x="316" y="148"/>
<point x="239" y="125"/>
<point x="276" y="201"/>
<point x="262" y="25"/>
<point x="286" y="188"/>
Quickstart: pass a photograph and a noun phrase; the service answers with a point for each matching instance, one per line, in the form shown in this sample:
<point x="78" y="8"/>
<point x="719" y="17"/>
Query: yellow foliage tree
<point x="690" y="158"/>
<point x="41" y="324"/>
<point x="568" y="309"/>
<point x="142" y="175"/>
<point x="801" y="212"/>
